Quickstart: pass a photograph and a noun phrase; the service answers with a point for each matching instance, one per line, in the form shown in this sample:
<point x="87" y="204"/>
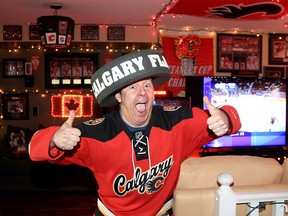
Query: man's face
<point x="136" y="102"/>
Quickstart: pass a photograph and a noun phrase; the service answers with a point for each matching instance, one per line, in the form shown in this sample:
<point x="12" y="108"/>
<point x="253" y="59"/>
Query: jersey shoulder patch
<point x="171" y="108"/>
<point x="94" y="121"/>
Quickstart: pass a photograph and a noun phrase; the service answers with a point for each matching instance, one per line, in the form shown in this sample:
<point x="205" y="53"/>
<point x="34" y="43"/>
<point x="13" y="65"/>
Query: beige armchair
<point x="195" y="192"/>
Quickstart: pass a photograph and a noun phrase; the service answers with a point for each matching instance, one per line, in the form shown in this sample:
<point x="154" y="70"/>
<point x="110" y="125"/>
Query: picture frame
<point x="69" y="70"/>
<point x="278" y="49"/>
<point x="15" y="106"/>
<point x="239" y="54"/>
<point x="13" y="67"/>
<point x="89" y="32"/>
<point x="274" y="72"/>
<point x="28" y="69"/>
<point x="12" y="32"/>
<point x="66" y="69"/>
<point x="34" y="33"/>
<point x="88" y="68"/>
<point x="116" y="33"/>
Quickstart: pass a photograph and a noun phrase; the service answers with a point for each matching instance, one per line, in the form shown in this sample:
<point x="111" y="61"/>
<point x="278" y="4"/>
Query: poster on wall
<point x="190" y="55"/>
<point x="69" y="70"/>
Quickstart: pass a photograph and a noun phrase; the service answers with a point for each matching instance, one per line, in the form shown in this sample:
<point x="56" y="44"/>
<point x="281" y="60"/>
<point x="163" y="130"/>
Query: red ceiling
<point x="232" y="9"/>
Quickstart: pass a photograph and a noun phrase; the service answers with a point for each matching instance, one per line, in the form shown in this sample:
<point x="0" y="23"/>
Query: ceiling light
<point x="55" y="31"/>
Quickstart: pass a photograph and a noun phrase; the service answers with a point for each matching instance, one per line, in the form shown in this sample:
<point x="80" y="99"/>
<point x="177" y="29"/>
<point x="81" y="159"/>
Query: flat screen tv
<point x="260" y="102"/>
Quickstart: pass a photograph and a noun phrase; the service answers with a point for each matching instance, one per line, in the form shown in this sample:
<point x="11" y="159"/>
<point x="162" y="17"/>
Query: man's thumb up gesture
<point x="218" y="121"/>
<point x="66" y="137"/>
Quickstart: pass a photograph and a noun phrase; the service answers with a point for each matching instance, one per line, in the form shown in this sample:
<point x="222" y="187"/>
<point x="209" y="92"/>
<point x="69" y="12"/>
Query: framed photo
<point x="274" y="72"/>
<point x="15" y="106"/>
<point x="12" y="32"/>
<point x="278" y="49"/>
<point x="90" y="32"/>
<point x="28" y="69"/>
<point x="66" y="70"/>
<point x="54" y="70"/>
<point x="77" y="69"/>
<point x="239" y="54"/>
<point x="34" y="32"/>
<point x="13" y="67"/>
<point x="116" y="33"/>
<point x="69" y="70"/>
<point x="88" y="69"/>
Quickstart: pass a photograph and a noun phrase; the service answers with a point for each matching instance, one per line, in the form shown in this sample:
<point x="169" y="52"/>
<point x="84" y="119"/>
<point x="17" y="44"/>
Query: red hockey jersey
<point x="136" y="171"/>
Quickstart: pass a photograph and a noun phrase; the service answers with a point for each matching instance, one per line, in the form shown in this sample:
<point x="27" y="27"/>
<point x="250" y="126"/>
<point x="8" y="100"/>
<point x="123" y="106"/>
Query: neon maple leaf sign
<point x="72" y="105"/>
<point x="62" y="104"/>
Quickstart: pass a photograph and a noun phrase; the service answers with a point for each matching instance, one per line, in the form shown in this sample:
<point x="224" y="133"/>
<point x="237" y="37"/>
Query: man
<point x="134" y="152"/>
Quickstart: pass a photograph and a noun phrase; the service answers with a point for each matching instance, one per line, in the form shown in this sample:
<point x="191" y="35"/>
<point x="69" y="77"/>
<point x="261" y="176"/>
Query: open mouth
<point x="141" y="107"/>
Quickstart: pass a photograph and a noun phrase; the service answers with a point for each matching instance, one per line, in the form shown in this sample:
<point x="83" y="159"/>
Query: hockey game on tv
<point x="261" y="103"/>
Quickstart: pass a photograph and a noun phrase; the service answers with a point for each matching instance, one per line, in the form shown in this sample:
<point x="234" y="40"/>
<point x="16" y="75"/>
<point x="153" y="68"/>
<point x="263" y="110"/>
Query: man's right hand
<point x="66" y="137"/>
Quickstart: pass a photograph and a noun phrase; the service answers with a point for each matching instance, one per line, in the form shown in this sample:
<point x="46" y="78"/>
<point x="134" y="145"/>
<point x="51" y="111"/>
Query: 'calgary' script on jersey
<point x="149" y="181"/>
